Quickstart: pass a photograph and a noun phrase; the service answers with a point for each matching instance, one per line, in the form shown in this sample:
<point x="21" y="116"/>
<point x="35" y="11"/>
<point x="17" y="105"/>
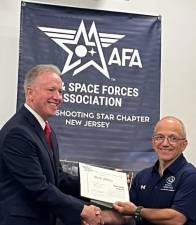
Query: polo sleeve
<point x="134" y="191"/>
<point x="185" y="197"/>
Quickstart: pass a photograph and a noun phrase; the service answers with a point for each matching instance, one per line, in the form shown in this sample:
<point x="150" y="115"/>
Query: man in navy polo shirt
<point x="165" y="193"/>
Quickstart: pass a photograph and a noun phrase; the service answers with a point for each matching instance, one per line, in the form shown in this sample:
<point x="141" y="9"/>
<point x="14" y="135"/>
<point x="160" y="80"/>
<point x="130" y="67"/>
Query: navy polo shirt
<point x="176" y="189"/>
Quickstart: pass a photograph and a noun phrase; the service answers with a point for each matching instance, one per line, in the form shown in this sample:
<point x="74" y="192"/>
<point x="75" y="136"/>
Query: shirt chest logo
<point x="168" y="185"/>
<point x="142" y="187"/>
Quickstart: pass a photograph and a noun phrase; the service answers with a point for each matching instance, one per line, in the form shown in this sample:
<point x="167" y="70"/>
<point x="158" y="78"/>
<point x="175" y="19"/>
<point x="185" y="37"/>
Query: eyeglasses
<point x="171" y="139"/>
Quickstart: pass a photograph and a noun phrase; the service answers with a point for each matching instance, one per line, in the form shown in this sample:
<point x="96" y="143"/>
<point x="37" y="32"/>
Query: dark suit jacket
<point x="32" y="183"/>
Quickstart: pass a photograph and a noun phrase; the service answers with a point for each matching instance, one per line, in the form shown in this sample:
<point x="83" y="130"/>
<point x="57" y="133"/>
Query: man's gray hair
<point x="183" y="130"/>
<point x="34" y="72"/>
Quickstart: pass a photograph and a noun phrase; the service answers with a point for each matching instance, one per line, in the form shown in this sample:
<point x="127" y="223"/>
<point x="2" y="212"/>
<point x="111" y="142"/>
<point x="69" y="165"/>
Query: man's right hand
<point x="125" y="208"/>
<point x="91" y="215"/>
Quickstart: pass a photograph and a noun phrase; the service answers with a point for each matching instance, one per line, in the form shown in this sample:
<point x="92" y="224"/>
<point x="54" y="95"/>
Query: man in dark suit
<point x="34" y="190"/>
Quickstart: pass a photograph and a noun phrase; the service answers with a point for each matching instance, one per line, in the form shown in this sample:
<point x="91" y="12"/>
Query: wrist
<point x="137" y="213"/>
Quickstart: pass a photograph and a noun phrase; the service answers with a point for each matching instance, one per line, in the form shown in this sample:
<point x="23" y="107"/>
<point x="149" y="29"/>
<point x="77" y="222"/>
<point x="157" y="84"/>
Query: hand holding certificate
<point x="103" y="186"/>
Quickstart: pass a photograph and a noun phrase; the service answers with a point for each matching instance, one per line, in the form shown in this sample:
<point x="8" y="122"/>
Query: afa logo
<point x="93" y="45"/>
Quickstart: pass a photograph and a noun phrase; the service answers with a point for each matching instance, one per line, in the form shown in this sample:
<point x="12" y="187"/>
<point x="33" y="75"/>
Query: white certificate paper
<point x="104" y="185"/>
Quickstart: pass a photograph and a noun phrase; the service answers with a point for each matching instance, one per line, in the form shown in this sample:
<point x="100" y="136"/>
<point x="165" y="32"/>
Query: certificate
<point x="102" y="185"/>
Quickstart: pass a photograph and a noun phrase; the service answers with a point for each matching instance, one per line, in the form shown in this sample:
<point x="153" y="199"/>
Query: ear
<point x="153" y="143"/>
<point x="184" y="144"/>
<point x="29" y="93"/>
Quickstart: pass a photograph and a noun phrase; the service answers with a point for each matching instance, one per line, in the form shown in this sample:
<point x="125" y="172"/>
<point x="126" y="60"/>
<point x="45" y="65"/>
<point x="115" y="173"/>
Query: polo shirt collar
<point x="174" y="167"/>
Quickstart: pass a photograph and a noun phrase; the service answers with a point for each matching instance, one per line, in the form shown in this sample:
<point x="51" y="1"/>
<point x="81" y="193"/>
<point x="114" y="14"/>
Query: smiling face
<point x="169" y="140"/>
<point x="44" y="94"/>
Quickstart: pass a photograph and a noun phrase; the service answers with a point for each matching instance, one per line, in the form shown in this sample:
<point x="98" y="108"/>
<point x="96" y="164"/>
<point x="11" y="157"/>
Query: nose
<point x="58" y="96"/>
<point x="165" y="141"/>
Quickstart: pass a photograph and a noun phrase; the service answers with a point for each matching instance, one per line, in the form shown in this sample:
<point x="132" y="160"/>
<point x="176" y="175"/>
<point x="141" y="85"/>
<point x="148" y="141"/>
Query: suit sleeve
<point x="22" y="158"/>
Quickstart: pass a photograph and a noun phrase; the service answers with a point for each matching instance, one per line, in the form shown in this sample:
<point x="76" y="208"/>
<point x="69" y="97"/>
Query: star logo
<point x="87" y="45"/>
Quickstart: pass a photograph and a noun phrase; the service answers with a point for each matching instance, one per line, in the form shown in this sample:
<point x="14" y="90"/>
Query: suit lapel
<point x="40" y="134"/>
<point x="55" y="149"/>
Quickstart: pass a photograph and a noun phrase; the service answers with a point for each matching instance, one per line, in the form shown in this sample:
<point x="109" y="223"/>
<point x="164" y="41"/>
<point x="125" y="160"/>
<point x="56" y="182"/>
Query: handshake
<point x="92" y="215"/>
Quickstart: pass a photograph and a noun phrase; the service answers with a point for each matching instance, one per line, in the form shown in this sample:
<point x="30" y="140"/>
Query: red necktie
<point x="47" y="133"/>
